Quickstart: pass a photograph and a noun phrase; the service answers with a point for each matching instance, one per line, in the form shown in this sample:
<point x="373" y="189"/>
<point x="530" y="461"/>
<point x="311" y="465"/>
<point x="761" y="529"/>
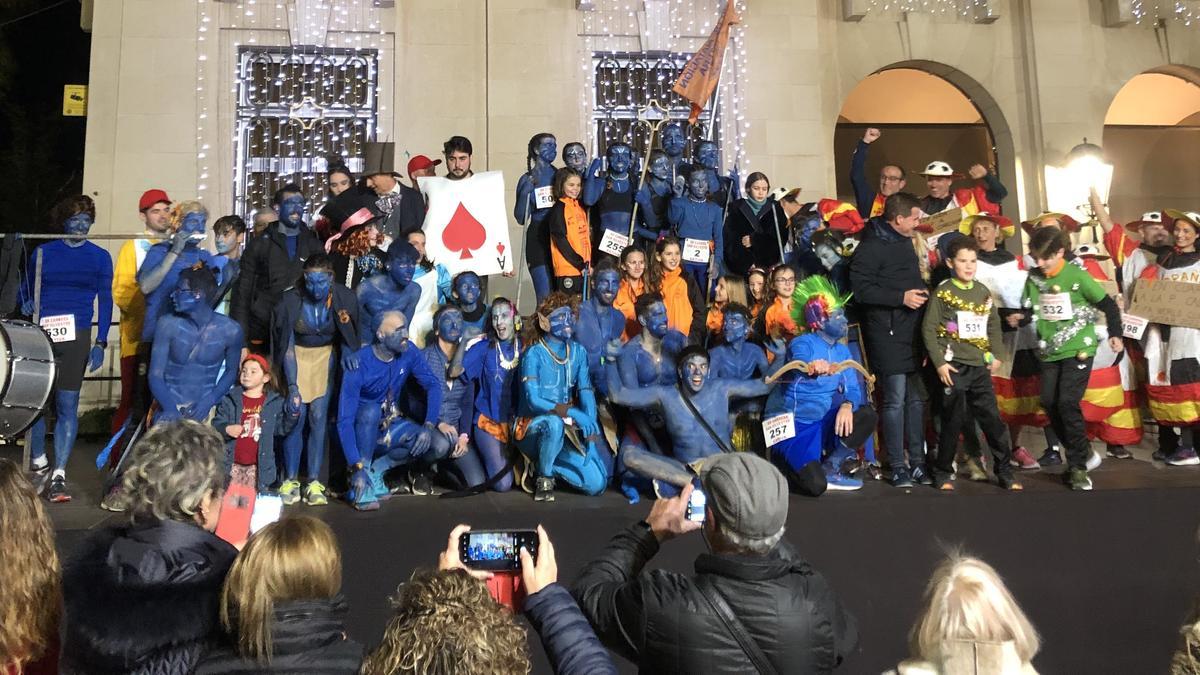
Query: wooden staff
<point x="653" y="116"/>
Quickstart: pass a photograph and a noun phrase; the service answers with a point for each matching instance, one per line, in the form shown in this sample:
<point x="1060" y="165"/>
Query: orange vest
<point x="716" y="319"/>
<point x="675" y="297"/>
<point x="579" y="236"/>
<point x="779" y="323"/>
<point x="627" y="296"/>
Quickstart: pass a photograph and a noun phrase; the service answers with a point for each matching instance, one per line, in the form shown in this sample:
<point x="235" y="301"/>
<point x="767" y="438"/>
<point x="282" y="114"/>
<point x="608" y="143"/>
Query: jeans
<point x="902" y="415"/>
<point x="491" y="453"/>
<point x="972" y="389"/>
<point x="1063" y="384"/>
<point x="396" y="447"/>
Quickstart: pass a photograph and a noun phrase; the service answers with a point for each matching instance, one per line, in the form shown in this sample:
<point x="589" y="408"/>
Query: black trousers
<point x="971" y="400"/>
<point x="1063" y="385"/>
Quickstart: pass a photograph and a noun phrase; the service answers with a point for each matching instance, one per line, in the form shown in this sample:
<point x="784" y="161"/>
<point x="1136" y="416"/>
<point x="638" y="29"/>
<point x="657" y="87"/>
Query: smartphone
<point x="695" y="506"/>
<point x="267" y="509"/>
<point x="496" y="550"/>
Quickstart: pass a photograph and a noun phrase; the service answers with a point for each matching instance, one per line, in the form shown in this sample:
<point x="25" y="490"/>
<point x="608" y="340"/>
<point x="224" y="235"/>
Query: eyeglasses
<point x="786" y="280"/>
<point x="891" y="179"/>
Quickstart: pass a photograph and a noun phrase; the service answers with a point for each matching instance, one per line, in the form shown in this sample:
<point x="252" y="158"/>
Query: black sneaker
<point x="56" y="490"/>
<point x="1119" y="452"/>
<point x="921" y="475"/>
<point x="421" y="483"/>
<point x="901" y="478"/>
<point x="1051" y="457"/>
<point x="544" y="492"/>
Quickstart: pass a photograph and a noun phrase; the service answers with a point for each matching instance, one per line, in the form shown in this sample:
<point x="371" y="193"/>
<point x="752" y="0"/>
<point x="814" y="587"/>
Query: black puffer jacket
<point x="143" y="599"/>
<point x="662" y="622"/>
<point x="307" y="636"/>
<point x="881" y="270"/>
<point x="266" y="272"/>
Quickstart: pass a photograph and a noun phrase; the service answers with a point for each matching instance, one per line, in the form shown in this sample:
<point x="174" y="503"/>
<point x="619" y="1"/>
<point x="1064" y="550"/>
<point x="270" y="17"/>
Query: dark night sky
<point x="40" y="150"/>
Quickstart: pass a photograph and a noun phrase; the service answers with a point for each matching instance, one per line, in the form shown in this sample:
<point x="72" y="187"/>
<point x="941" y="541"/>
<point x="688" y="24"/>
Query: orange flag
<point x="700" y="75"/>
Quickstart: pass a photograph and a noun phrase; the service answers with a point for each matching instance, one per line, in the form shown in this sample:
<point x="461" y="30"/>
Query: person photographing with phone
<point x="750" y="591"/>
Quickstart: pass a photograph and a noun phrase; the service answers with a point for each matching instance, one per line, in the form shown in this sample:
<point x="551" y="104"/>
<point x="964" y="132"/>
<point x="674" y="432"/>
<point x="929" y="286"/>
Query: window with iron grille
<point x="626" y="83"/>
<point x="297" y="112"/>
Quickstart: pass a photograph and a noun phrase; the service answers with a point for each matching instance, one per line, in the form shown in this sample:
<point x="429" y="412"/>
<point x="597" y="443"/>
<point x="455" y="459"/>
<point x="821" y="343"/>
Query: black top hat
<point x="351" y="208"/>
<point x="379" y="158"/>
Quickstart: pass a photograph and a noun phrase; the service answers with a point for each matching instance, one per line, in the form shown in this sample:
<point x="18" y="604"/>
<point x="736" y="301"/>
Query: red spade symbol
<point x="463" y="233"/>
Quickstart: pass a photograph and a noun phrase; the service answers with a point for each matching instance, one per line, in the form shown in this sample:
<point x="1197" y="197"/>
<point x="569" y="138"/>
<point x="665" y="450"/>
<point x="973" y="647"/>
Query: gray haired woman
<point x="143" y="596"/>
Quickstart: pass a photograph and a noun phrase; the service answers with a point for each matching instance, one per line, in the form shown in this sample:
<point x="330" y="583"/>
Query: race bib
<point x="779" y="428"/>
<point x="1133" y="326"/>
<point x="60" y="327"/>
<point x="696" y="250"/>
<point x="1056" y="307"/>
<point x="543" y="197"/>
<point x="613" y="243"/>
<point x="972" y="326"/>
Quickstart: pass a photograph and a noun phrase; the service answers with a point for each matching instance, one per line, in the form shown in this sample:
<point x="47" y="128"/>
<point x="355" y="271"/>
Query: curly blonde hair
<point x="171" y="470"/>
<point x="446" y="623"/>
<point x="30" y="578"/>
<point x="183" y="208"/>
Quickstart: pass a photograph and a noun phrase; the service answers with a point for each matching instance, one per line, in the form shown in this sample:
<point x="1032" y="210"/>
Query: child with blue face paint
<point x="490" y="367"/>
<point x="315" y="331"/>
<point x="556" y="426"/>
<point x="699" y="225"/>
<point x="539" y="163"/>
<point x="467" y="298"/>
<point x="75" y="273"/>
<point x="159" y="274"/>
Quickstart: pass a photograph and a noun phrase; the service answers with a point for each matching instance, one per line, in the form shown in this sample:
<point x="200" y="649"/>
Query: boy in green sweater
<point x="959" y="328"/>
<point x="1066" y="301"/>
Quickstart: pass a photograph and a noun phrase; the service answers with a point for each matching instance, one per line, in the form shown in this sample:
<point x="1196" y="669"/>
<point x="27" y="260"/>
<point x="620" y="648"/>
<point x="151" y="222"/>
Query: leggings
<point x="491" y="453"/>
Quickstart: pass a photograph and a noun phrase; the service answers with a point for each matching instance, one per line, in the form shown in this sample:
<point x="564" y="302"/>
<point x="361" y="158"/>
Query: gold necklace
<point x="564" y="360"/>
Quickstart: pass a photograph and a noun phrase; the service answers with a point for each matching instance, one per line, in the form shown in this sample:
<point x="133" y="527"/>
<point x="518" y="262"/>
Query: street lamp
<point x="1067" y="187"/>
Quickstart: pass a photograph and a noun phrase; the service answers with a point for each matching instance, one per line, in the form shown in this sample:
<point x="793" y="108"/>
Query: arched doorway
<point x="1152" y="139"/>
<point x="927" y="111"/>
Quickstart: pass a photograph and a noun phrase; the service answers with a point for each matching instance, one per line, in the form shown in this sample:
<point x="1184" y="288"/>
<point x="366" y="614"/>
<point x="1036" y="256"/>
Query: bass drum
<point x="27" y="373"/>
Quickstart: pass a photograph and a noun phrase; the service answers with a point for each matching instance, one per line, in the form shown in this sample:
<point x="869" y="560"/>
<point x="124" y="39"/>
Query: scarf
<point x="755" y="204"/>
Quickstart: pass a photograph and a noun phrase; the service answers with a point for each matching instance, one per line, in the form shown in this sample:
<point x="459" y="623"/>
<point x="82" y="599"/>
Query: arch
<point x="1151" y="137"/>
<point x="999" y="135"/>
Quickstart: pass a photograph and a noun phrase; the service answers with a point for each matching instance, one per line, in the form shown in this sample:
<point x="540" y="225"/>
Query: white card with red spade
<point x="466" y="224"/>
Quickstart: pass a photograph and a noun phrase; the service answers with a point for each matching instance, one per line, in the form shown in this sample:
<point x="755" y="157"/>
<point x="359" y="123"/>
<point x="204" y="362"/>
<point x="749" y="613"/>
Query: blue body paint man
<point x="654" y="198"/>
<point x="490" y="366"/>
<point x="454" y="414"/>
<point x="539" y="163"/>
<point x="611" y="196"/>
<point x="374" y="436"/>
<point x="673" y="144"/>
<point x="556" y="426"/>
<point x="600" y="323"/>
<point x="192" y="347"/>
<point x="394" y="290"/>
<point x="694" y="217"/>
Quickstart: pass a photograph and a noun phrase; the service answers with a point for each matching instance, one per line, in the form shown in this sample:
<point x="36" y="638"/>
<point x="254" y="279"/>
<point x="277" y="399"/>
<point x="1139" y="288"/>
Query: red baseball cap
<point x="419" y="162"/>
<point x="152" y="197"/>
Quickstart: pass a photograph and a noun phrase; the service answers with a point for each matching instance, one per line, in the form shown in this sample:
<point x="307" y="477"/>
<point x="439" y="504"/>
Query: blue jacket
<point x="569" y="641"/>
<point x="275" y="422"/>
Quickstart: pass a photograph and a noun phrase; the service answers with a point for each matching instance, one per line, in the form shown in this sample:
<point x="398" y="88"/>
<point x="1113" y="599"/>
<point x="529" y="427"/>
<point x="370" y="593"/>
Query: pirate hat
<point x="1066" y="223"/>
<point x="379" y="158"/>
<point x="1005" y="224"/>
<point x="351" y="209"/>
<point x="939" y="169"/>
<point x="1190" y="216"/>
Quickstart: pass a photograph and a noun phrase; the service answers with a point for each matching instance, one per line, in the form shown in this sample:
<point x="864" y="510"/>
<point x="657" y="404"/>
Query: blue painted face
<point x="673" y="140"/>
<point x="291" y="210"/>
<point x="184" y="298"/>
<point x="562" y="323"/>
<point x="318" y="283"/>
<point x="706" y="155"/>
<point x="655" y="320"/>
<point x="836" y="325"/>
<point x="694" y="372"/>
<point x="608" y="282"/>
<point x="227" y="242"/>
<point x="698" y="185"/>
<point x="402" y="269"/>
<point x="547" y="149"/>
<point x="193" y="223"/>
<point x="78" y="225"/>
<point x="736" y="328"/>
<point x="575" y="156"/>
<point x="619" y="159"/>
<point x="467" y="289"/>
<point x="450" y="326"/>
<point x="660" y="168"/>
<point x="396" y="341"/>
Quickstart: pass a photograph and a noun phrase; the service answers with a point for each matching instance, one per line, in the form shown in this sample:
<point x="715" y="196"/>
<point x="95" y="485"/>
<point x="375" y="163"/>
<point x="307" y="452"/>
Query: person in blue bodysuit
<point x="490" y="366"/>
<point x="693" y="216"/>
<point x="654" y="198"/>
<point x="394" y="290"/>
<point x="74" y="273"/>
<point x="694" y="434"/>
<point x="599" y="322"/>
<point x="315" y="328"/>
<point x="673" y="143"/>
<point x="374" y="436"/>
<point x="454" y="414"/>
<point x="539" y="164"/>
<point x="610" y="196"/>
<point x="830" y="420"/>
<point x="195" y="356"/>
<point x="556" y="427"/>
<point x="159" y="273"/>
<point x="466" y="298"/>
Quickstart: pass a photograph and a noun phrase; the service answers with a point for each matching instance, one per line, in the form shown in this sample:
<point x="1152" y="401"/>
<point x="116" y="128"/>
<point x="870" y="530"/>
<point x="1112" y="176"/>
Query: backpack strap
<point x="735" y="626"/>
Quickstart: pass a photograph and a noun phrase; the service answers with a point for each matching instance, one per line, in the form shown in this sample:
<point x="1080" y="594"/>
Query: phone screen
<point x="496" y="549"/>
<point x="695" y="507"/>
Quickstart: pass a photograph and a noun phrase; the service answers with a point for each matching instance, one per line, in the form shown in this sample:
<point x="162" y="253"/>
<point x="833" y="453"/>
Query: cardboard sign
<point x="466" y="224"/>
<point x="1056" y="306"/>
<point x="613" y="243"/>
<point x="779" y="428"/>
<point x="695" y="250"/>
<point x="1110" y="288"/>
<point x="972" y="326"/>
<point x="941" y="223"/>
<point x="1133" y="326"/>
<point x="1173" y="303"/>
<point x="543" y="197"/>
<point x="60" y="327"/>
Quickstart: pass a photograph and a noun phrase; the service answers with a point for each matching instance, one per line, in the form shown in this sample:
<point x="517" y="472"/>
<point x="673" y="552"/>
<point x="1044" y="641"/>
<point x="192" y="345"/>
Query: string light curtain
<point x="1152" y="12"/>
<point x="962" y="9"/>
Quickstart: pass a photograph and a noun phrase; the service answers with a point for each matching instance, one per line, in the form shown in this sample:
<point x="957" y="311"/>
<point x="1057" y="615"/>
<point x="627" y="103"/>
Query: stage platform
<point x="1106" y="576"/>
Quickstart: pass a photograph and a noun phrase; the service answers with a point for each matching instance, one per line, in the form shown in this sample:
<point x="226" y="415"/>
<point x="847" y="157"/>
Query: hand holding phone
<point x="496" y="550"/>
<point x="540" y="574"/>
<point x="695" y="506"/>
